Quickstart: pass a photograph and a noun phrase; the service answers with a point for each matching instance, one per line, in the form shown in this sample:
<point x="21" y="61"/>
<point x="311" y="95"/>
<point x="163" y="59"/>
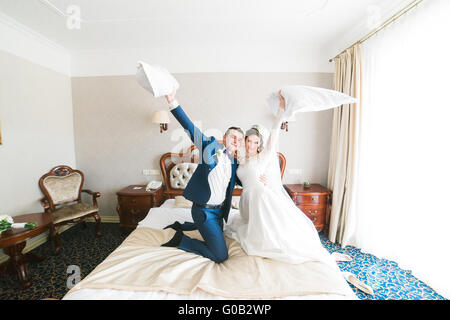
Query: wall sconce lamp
<point x="161" y="117"/>
<point x="284" y="125"/>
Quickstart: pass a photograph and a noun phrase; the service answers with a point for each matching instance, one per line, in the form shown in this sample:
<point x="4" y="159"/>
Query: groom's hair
<point x="234" y="128"/>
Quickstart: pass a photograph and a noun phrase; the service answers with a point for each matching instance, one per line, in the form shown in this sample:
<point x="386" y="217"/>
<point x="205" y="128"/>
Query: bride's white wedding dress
<point x="270" y="225"/>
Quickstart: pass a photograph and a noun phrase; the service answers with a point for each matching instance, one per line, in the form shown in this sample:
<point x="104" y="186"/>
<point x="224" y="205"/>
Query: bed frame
<point x="169" y="160"/>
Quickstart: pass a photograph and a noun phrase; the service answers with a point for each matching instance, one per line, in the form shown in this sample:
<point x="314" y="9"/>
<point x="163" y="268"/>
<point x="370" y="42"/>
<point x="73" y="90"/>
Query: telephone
<point x="153" y="185"/>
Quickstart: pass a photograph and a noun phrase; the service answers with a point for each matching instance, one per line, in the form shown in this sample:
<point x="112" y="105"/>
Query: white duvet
<point x="158" y="219"/>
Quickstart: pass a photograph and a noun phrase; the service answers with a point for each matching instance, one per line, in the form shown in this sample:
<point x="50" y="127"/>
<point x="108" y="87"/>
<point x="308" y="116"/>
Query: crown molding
<point x="21" y="41"/>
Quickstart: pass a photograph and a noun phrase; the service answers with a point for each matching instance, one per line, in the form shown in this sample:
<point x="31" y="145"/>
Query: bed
<point x="141" y="269"/>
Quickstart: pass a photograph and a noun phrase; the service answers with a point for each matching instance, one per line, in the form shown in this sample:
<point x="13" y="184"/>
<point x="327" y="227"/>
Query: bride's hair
<point x="254" y="130"/>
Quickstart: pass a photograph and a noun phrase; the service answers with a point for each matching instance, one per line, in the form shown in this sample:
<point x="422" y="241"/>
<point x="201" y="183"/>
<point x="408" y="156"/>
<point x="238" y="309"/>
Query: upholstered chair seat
<point x="62" y="188"/>
<point x="74" y="211"/>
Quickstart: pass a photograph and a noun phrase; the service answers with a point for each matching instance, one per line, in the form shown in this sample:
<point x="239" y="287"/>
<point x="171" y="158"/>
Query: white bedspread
<point x="158" y="219"/>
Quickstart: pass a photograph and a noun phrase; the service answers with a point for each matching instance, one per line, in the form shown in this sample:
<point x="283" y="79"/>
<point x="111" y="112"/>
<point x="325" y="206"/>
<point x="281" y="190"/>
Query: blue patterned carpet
<point x="387" y="280"/>
<point x="80" y="247"/>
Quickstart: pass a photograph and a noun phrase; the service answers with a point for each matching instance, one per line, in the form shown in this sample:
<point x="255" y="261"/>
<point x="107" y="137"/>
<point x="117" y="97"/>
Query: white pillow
<point x="156" y="79"/>
<point x="182" y="202"/>
<point x="306" y="99"/>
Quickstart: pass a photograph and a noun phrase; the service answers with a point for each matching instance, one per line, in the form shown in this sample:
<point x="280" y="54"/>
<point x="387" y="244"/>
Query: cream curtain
<point x="403" y="184"/>
<point x="389" y="166"/>
<point x="344" y="151"/>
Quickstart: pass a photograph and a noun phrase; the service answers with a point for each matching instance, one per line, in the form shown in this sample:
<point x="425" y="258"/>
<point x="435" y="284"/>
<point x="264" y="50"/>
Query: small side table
<point x="13" y="241"/>
<point x="134" y="203"/>
<point x="314" y="201"/>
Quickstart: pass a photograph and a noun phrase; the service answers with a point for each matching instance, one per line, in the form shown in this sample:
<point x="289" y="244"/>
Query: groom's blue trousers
<point x="209" y="222"/>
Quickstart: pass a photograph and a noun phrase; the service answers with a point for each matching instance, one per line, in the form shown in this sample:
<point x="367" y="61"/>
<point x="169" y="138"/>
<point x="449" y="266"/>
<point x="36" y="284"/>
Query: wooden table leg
<point x="18" y="261"/>
<point x="33" y="257"/>
<point x="4" y="268"/>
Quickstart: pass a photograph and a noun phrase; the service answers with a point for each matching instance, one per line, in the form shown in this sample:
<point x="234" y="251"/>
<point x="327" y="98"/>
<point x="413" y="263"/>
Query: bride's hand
<point x="282" y="100"/>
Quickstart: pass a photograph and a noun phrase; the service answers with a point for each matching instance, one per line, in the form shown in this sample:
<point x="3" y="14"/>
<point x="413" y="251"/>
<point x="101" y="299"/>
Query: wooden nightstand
<point x="134" y="204"/>
<point x="315" y="202"/>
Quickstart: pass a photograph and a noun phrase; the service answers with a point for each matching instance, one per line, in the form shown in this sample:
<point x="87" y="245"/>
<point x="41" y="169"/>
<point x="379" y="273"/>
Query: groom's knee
<point x="220" y="256"/>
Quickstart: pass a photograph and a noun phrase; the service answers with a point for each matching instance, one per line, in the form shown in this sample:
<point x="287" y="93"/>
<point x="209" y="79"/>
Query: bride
<point x="269" y="224"/>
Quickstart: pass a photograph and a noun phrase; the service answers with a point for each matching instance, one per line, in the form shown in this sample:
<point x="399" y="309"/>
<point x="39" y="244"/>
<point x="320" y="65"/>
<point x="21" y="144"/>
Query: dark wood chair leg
<point x="54" y="236"/>
<point x="98" y="221"/>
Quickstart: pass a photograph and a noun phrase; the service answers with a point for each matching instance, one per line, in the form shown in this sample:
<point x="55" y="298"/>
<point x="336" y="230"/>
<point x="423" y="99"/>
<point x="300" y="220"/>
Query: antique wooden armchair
<point x="62" y="188"/>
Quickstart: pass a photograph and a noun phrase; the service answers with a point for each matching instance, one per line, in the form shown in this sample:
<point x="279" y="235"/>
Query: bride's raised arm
<point x="272" y="142"/>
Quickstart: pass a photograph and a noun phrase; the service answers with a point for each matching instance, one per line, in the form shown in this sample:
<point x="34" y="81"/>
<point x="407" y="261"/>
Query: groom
<point x="210" y="189"/>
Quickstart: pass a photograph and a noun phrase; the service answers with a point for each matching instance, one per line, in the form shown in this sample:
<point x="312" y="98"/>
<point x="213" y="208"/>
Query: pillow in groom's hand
<point x="155" y="79"/>
<point x="306" y="99"/>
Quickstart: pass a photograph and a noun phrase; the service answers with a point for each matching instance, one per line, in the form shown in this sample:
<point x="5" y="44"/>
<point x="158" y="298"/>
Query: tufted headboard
<point x="183" y="165"/>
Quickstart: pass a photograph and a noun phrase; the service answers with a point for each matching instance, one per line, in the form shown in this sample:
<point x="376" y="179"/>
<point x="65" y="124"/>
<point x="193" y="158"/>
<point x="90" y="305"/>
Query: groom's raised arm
<point x="196" y="136"/>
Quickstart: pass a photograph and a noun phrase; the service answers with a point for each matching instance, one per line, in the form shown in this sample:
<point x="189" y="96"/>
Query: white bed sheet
<point x="158" y="219"/>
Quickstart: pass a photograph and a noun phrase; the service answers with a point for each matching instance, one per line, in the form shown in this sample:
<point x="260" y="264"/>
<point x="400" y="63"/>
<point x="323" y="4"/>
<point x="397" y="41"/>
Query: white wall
<point x="35" y="113"/>
<point x="36" y="118"/>
<point x="37" y="130"/>
<point x="23" y="42"/>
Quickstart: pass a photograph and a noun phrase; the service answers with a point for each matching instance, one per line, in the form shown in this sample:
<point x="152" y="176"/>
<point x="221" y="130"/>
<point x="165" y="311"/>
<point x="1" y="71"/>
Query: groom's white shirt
<point x="219" y="177"/>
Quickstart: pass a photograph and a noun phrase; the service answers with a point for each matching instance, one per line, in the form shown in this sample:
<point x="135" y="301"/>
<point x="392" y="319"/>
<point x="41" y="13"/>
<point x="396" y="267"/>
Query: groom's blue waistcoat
<point x="198" y="189"/>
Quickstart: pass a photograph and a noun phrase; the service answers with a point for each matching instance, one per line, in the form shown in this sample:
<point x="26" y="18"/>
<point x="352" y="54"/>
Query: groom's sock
<point x="175" y="241"/>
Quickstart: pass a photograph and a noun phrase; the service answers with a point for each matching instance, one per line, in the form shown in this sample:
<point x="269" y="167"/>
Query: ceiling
<point x="124" y="24"/>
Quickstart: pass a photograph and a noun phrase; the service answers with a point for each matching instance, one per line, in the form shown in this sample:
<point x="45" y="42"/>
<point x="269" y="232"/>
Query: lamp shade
<point x="160" y="116"/>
